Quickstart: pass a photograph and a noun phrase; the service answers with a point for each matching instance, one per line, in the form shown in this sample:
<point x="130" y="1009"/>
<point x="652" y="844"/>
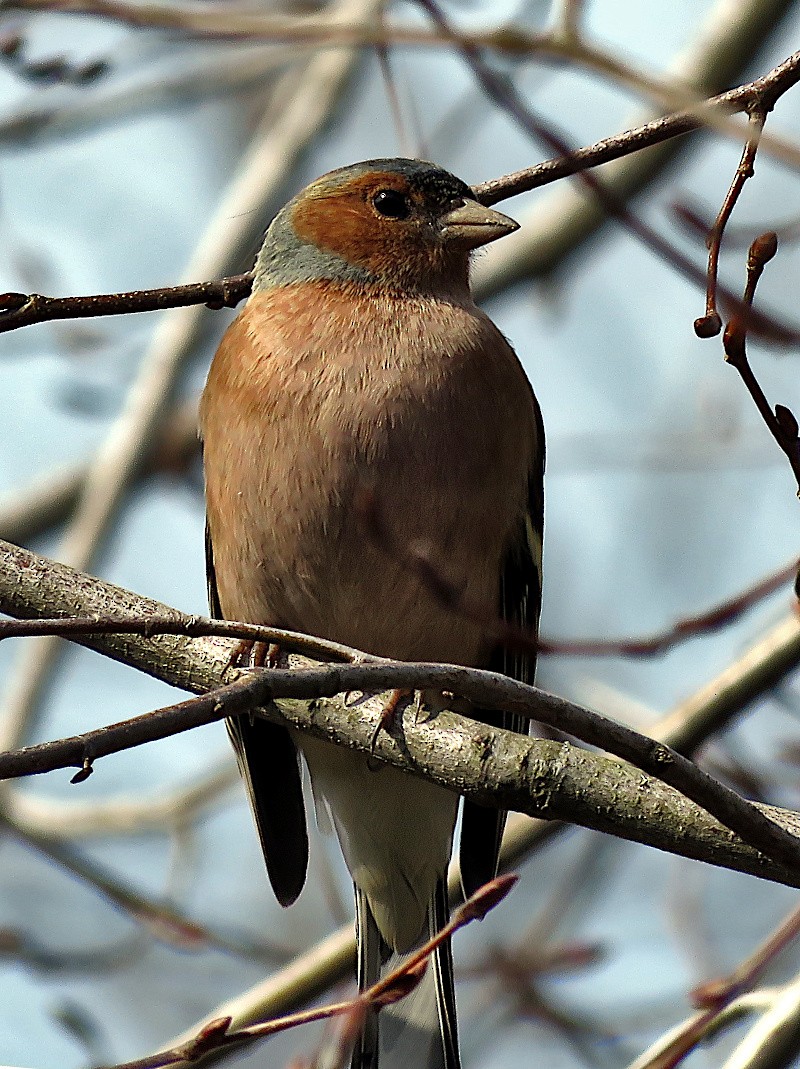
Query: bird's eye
<point x="391" y="203"/>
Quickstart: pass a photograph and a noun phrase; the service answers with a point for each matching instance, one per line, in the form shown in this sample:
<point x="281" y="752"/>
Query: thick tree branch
<point x="538" y="777"/>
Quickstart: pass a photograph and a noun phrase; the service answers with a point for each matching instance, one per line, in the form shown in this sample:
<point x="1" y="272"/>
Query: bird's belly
<point x="409" y="590"/>
<point x="395" y="830"/>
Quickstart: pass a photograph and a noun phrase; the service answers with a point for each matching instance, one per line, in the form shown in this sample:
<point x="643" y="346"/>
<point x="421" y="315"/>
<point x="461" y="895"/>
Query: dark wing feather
<point x="270" y="768"/>
<point x="520" y="602"/>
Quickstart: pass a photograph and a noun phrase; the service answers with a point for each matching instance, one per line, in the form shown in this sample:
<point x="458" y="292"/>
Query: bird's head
<point x="402" y="224"/>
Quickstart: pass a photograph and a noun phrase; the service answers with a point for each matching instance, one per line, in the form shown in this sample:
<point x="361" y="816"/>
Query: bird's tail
<point x="418" y="1031"/>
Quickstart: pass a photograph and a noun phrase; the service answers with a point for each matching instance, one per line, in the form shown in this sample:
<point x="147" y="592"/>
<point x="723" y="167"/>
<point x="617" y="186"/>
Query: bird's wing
<point x="270" y="768"/>
<point x="520" y="602"/>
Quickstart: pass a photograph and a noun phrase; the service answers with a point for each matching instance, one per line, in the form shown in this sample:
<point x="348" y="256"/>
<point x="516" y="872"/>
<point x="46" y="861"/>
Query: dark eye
<point x="391" y="203"/>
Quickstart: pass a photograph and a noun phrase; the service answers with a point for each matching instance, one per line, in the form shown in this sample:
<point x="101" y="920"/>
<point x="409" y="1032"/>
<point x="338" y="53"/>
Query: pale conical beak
<point x="472" y="225"/>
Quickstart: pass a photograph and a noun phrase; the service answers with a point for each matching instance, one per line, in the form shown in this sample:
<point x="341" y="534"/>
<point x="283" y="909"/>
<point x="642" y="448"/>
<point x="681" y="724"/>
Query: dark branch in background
<point x="400" y="982"/>
<point x="781" y="422"/>
<point x="19" y="309"/>
<point x="417" y="560"/>
<point x="703" y="623"/>
<point x="160" y="918"/>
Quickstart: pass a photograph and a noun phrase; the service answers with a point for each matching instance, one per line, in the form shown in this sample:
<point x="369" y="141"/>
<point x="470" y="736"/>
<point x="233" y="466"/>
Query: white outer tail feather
<point x="419" y="1030"/>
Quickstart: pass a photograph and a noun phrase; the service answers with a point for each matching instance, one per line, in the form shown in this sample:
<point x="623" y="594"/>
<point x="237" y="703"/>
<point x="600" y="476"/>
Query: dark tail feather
<point x="420" y="1030"/>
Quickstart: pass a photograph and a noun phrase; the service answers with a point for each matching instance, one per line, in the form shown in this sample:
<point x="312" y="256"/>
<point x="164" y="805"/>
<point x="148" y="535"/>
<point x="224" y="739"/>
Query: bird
<point x="360" y="364"/>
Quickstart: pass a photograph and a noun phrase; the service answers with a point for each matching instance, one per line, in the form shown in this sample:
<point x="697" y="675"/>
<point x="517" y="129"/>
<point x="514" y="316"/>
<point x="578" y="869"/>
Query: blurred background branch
<point x="146" y="144"/>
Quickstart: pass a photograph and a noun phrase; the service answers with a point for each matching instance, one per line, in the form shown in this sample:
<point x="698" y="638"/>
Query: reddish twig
<point x="217" y="1035"/>
<point x="717" y="993"/>
<point x="710" y="324"/>
<point x="418" y="562"/>
<point x="504" y="94"/>
<point x="713" y="997"/>
<point x="714" y="619"/>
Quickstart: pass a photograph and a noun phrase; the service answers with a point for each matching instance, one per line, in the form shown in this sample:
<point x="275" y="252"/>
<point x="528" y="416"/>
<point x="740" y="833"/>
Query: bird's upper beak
<point x="472" y="225"/>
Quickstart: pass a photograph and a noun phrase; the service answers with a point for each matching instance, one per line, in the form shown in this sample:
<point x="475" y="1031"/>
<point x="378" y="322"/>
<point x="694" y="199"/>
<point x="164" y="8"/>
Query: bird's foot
<point x="388" y="714"/>
<point x="250" y="654"/>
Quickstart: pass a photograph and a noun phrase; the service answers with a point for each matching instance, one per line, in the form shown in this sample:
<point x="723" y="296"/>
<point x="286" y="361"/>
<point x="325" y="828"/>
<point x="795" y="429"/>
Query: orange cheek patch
<point x="343" y="223"/>
<point x="337" y="227"/>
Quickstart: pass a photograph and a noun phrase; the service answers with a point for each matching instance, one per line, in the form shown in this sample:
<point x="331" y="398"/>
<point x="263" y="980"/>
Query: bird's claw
<point x="250" y="654"/>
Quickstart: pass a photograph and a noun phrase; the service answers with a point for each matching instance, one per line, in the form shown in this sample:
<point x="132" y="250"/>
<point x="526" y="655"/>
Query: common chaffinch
<point x="360" y="362"/>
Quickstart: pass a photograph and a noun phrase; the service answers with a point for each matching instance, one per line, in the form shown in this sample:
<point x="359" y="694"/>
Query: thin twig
<point x="217" y="1034"/>
<point x="781" y="423"/>
<point x="503" y="93"/>
<point x="555" y="226"/>
<point x="161" y="919"/>
<point x="495" y="630"/>
<point x="190" y="626"/>
<point x="710" y="324"/>
<point x="19" y="309"/>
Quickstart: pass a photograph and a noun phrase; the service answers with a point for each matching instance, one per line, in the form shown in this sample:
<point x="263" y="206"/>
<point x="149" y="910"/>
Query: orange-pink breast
<point x="317" y="394"/>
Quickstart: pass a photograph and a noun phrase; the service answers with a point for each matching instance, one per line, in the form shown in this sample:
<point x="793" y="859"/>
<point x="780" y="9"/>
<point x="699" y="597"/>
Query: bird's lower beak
<point x="472" y="225"/>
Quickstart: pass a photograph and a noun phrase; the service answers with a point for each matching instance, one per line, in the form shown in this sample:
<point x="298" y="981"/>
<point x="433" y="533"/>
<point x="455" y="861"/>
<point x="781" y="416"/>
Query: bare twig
<point x="557" y="225"/>
<point x="22" y="309"/>
<point x="710" y="324"/>
<point x="19" y="309"/>
<point x="162" y="811"/>
<point x="717" y="993"/>
<point x="190" y="626"/>
<point x="161" y="919"/>
<point x="217" y="1034"/>
<point x="418" y="563"/>
<point x="781" y="422"/>
<point x="747" y="1004"/>
<point x="502" y="92"/>
<point x="203" y="73"/>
